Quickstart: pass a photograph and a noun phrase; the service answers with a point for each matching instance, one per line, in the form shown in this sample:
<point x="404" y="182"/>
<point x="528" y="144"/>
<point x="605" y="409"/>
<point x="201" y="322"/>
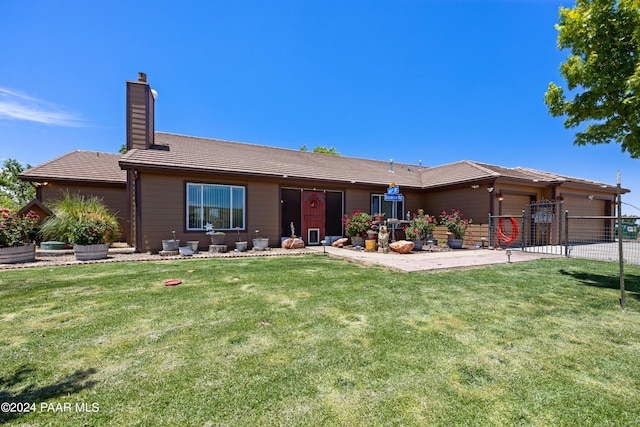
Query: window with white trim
<point x="391" y="209"/>
<point x="220" y="205"/>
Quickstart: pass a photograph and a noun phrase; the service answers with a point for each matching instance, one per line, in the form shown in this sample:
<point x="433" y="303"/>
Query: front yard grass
<point x="313" y="340"/>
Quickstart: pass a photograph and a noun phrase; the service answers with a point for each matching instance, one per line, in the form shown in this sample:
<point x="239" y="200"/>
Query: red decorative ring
<point x="507" y="239"/>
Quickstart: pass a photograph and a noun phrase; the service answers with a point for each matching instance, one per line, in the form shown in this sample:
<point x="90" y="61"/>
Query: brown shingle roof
<point x="203" y="154"/>
<point x="89" y="166"/>
<point x="188" y="153"/>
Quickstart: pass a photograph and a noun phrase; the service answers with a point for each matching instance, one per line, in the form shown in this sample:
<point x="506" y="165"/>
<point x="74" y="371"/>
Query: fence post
<point x="489" y="233"/>
<point x="524" y="248"/>
<point x="623" y="302"/>
<point x="566" y="233"/>
<point x="558" y="208"/>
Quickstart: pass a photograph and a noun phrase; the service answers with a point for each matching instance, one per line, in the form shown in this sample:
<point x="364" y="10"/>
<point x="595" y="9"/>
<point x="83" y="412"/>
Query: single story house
<point x="167" y="182"/>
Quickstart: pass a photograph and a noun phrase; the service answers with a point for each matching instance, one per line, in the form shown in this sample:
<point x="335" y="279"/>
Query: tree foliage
<point x="603" y="71"/>
<point x="322" y="149"/>
<point x="14" y="193"/>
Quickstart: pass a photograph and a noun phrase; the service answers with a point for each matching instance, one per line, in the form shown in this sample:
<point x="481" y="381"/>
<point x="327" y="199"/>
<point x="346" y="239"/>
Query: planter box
<point x="261" y="243"/>
<point x="193" y="245"/>
<point x="15" y="254"/>
<point x="89" y="252"/>
<point x="217" y="239"/>
<point x="170" y="245"/>
<point x="241" y="246"/>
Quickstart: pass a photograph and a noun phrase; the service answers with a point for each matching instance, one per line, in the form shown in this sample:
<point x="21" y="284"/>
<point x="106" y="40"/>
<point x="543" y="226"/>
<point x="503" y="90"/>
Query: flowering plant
<point x="420" y="226"/>
<point x="89" y="232"/>
<point x="16" y="230"/>
<point x="412" y="233"/>
<point x="455" y="222"/>
<point x="357" y="223"/>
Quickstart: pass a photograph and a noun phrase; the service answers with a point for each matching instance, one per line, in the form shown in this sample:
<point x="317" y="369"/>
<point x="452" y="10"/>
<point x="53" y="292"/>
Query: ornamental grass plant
<point x="80" y="220"/>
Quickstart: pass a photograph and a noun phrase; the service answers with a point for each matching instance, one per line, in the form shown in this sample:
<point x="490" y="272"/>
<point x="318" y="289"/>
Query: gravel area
<point x="54" y="258"/>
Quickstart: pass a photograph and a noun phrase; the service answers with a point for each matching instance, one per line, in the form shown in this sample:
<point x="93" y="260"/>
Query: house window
<point x="220" y="205"/>
<point x="391" y="209"/>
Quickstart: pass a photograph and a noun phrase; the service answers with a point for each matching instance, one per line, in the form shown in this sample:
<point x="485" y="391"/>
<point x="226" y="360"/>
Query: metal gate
<point x="539" y="229"/>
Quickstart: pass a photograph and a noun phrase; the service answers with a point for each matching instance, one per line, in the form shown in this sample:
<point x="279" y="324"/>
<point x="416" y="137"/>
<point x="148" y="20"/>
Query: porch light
<point x="499" y="196"/>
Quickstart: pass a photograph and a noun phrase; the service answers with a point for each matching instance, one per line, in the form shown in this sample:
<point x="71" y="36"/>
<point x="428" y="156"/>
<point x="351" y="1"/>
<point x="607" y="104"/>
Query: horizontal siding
<point x="473" y="203"/>
<point x="587" y="229"/>
<point x="163" y="209"/>
<point x="263" y="211"/>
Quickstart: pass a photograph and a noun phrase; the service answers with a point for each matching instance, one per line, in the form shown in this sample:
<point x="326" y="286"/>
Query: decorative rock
<point x="401" y="246"/>
<point x="293" y="243"/>
<point x="340" y="242"/>
<point x="216" y="249"/>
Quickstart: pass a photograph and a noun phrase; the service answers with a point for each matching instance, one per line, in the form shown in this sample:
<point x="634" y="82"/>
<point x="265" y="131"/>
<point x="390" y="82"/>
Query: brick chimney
<point x="140" y="120"/>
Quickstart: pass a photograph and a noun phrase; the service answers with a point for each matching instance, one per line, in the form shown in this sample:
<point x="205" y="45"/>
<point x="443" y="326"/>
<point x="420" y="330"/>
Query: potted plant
<point x="456" y="225"/>
<point x="241" y="245"/>
<point x="85" y="223"/>
<point x="172" y="244"/>
<point x="420" y="228"/>
<point x="15" y="237"/>
<point x="217" y="237"/>
<point x="414" y="235"/>
<point x="260" y="243"/>
<point x="356" y="226"/>
<point x="378" y="216"/>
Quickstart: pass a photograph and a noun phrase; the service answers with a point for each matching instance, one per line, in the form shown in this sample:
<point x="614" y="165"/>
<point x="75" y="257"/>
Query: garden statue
<point x="383" y="239"/>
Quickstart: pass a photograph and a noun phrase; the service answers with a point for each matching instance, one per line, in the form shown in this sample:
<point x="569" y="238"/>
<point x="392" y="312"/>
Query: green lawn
<point x="313" y="340"/>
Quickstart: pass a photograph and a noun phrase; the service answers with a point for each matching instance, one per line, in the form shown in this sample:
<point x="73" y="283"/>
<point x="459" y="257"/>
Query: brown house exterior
<point x="87" y="173"/>
<point x="168" y="182"/>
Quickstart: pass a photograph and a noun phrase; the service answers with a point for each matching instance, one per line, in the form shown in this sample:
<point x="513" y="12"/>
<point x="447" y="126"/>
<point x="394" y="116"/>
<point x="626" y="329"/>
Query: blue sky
<point x="437" y="81"/>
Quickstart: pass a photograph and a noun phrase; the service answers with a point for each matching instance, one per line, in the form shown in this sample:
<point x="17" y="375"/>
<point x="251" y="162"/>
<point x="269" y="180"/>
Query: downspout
<point x="137" y="214"/>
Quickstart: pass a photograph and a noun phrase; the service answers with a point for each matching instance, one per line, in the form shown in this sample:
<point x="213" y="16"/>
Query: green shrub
<point x="80" y="221"/>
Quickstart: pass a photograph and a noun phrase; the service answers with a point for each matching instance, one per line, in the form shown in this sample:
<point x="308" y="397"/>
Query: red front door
<point x="313" y="203"/>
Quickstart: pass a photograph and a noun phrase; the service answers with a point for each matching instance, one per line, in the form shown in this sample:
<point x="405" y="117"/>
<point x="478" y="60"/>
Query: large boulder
<point x="293" y="243"/>
<point x="340" y="242"/>
<point x="401" y="246"/>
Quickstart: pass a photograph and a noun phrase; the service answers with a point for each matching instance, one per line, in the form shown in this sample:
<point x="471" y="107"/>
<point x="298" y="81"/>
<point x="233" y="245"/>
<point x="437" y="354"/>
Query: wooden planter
<point x="15" y="254"/>
<point x="89" y="252"/>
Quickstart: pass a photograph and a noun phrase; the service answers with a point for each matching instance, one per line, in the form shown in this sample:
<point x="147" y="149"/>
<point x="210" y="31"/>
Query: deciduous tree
<point x="13" y="192"/>
<point x="602" y="73"/>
